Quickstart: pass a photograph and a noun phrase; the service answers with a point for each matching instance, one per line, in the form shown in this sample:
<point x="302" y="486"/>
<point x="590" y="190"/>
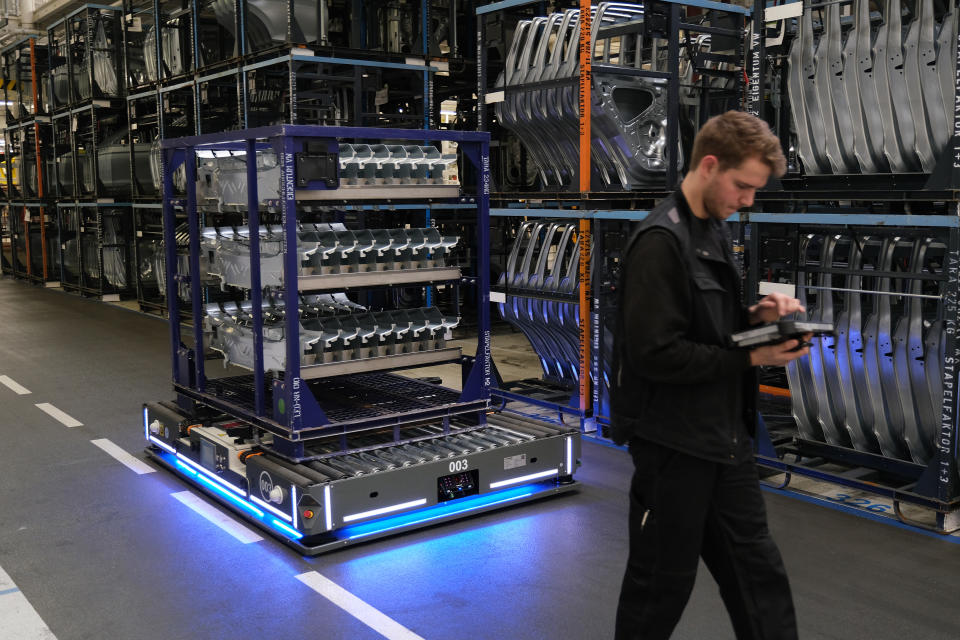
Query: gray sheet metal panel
<point x="892" y="143"/>
<point x="523" y="242"/>
<point x="514" y="309"/>
<point x="857" y="77"/>
<point x="515" y="70"/>
<point x="878" y="362"/>
<point x="549" y="98"/>
<point x="506" y="109"/>
<point x="917" y="52"/>
<point x="822" y="359"/>
<point x="566" y="315"/>
<point x="834" y="109"/>
<point x="566" y="349"/>
<point x="553" y="312"/>
<point x="920" y="435"/>
<point x="947" y="60"/>
<point x="529" y="70"/>
<point x="930" y="80"/>
<point x="548" y="66"/>
<point x="551" y="341"/>
<point x="798" y="108"/>
<point x="899" y="95"/>
<point x="851" y="377"/>
<point x="798" y="372"/>
<point x="811" y="103"/>
<point x="901" y="371"/>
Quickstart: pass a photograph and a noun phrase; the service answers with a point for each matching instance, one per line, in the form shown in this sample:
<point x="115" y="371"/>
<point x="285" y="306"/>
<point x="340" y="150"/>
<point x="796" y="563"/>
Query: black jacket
<point x="676" y="379"/>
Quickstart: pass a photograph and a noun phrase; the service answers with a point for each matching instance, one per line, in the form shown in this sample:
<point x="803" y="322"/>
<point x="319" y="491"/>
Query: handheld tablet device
<point x="777" y="332"/>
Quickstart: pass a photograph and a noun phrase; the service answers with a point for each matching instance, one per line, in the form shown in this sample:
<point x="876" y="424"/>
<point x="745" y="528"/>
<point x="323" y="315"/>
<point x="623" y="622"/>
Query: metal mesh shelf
<point x="237" y="390"/>
<point x="368" y="395"/>
<point x="348" y="399"/>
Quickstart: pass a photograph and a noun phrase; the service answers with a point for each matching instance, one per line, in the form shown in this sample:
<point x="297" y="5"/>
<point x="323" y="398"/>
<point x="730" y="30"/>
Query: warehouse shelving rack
<point x="784" y="445"/>
<point x="25" y="65"/>
<point x="32" y="231"/>
<point x="595" y="209"/>
<point x="96" y="249"/>
<point x="341" y="414"/>
<point x="336" y="90"/>
<point x="388" y="31"/>
<point x="86" y="58"/>
<point x="219" y="101"/>
<point x="6" y="240"/>
<point x="217" y="24"/>
<point x="243" y="87"/>
<point x="141" y="58"/>
<point x="921" y="491"/>
<point x="177" y="40"/>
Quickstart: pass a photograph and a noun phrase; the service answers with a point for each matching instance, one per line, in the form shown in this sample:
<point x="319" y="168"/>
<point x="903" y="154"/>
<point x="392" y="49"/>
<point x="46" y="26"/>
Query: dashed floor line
<point x="365" y="613"/>
<point x="14" y="386"/>
<point x="217" y="517"/>
<point x="134" y="464"/>
<point x="58" y="415"/>
<point x="18" y="618"/>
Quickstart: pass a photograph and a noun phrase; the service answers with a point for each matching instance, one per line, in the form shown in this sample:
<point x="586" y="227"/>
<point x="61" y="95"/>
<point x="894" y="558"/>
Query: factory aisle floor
<point x="104" y="553"/>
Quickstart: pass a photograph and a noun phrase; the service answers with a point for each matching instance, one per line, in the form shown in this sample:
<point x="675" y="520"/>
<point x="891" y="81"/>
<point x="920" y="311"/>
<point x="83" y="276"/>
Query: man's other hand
<point x="777" y="355"/>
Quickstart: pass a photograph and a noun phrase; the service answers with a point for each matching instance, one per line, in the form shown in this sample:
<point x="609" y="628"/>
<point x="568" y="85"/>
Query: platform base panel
<point x="350" y="496"/>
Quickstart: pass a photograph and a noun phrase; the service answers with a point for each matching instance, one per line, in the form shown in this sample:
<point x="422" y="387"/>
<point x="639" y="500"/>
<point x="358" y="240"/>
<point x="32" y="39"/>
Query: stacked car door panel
<point x="628" y="112"/>
<point x="870" y="91"/>
<point x="875" y="385"/>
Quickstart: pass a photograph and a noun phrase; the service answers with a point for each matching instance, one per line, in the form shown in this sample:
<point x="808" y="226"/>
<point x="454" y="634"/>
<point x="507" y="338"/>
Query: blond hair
<point x="733" y="137"/>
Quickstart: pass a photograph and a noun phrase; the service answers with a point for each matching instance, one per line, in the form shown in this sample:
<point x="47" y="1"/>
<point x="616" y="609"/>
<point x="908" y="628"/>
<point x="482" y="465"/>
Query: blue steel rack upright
<point x="287" y="408"/>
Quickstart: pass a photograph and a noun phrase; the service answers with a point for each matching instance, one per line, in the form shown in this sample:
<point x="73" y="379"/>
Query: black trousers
<point x="683" y="508"/>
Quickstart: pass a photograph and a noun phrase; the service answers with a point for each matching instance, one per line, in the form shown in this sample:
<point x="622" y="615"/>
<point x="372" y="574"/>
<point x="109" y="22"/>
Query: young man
<point x="682" y="398"/>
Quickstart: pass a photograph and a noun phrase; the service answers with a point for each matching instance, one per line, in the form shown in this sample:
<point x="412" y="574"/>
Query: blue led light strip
<point x="527" y="478"/>
<point x="273" y="510"/>
<point x="216" y="478"/>
<point x="293" y="533"/>
<point x="271" y="522"/>
<point x="220" y="490"/>
<point x="186" y="468"/>
<point x="163" y="445"/>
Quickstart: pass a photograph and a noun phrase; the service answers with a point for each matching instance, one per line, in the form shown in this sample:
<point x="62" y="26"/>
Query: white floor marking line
<point x="217" y="517"/>
<point x="11" y="384"/>
<point x="134" y="464"/>
<point x="18" y="618"/>
<point x="58" y="415"/>
<point x="385" y="626"/>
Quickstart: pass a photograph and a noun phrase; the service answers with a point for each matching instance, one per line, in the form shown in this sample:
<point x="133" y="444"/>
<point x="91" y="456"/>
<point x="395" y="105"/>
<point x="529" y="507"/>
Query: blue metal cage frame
<point x="295" y="415"/>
